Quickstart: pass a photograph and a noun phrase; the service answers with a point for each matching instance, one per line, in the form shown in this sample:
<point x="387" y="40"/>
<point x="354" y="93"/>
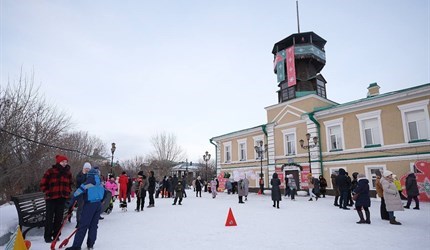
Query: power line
<point x="44" y="144"/>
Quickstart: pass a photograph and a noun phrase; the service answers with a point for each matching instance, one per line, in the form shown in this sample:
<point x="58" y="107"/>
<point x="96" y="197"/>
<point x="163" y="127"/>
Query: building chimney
<point x="373" y="89"/>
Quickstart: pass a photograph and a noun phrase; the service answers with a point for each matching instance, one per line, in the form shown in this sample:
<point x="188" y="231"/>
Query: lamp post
<point x="113" y="148"/>
<point x="206" y="158"/>
<point x="260" y="150"/>
<point x="308" y="147"/>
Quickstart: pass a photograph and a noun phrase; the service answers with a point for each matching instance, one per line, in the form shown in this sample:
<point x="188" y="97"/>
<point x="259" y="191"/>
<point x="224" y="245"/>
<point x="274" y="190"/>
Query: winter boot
<point x="367" y="217"/>
<point x="417" y="208"/>
<point x="336" y="203"/>
<point x="360" y="214"/>
<point x="310" y="199"/>
<point x="394" y="222"/>
<point x="407" y="207"/>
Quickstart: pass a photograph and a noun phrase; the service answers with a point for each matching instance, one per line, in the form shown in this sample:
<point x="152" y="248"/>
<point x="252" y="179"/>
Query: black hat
<point x="140" y="173"/>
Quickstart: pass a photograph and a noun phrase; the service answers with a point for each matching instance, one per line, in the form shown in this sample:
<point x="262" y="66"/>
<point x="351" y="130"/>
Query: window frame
<point x="372" y="177"/>
<point x="410" y="107"/>
<point x="365" y="117"/>
<point x="227" y="145"/>
<point x="239" y="150"/>
<point x="286" y="132"/>
<point x="330" y="124"/>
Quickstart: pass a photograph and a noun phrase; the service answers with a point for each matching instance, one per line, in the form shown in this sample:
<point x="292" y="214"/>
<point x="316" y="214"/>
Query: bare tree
<point x="25" y="118"/>
<point x="166" y="148"/>
<point x="31" y="133"/>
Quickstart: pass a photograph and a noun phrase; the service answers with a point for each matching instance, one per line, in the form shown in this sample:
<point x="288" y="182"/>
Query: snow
<point x="200" y="224"/>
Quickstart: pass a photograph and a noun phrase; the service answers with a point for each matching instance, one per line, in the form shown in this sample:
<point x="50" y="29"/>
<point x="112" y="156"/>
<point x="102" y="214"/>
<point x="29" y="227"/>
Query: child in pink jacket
<point x="112" y="186"/>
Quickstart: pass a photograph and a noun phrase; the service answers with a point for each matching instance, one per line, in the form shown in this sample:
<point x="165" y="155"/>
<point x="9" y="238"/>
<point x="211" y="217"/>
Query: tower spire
<point x="298" y="21"/>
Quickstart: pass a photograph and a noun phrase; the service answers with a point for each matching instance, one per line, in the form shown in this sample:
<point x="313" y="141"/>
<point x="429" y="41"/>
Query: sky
<point x="128" y="70"/>
<point x="200" y="224"/>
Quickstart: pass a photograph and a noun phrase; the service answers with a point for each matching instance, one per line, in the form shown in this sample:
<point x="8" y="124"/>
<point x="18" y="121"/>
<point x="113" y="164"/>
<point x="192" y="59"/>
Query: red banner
<point x="291" y="67"/>
<point x="304" y="177"/>
<point x="280" y="173"/>
<point x="422" y="169"/>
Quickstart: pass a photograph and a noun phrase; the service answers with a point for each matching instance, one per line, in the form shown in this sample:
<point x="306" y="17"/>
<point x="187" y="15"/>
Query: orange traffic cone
<point x="230" y="219"/>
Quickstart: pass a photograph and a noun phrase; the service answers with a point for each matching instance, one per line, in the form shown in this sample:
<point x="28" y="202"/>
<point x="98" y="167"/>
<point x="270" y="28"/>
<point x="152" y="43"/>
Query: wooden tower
<point x="298" y="60"/>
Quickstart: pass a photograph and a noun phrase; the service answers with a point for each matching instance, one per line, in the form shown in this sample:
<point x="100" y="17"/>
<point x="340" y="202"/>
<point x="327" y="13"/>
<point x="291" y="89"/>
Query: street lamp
<point x="308" y="147"/>
<point x="113" y="151"/>
<point x="260" y="150"/>
<point x="206" y="158"/>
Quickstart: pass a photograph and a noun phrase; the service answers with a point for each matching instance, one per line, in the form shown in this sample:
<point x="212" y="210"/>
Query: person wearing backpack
<point x="93" y="193"/>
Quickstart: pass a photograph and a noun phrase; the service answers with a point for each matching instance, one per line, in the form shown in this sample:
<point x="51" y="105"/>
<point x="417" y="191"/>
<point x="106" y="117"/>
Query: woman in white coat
<point x="391" y="196"/>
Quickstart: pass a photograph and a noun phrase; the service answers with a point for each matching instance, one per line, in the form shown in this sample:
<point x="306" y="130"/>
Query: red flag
<point x="291" y="67"/>
<point x="278" y="58"/>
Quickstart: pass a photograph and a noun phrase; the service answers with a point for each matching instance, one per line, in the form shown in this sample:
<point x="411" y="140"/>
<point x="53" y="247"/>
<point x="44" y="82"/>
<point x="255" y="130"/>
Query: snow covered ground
<point x="200" y="224"/>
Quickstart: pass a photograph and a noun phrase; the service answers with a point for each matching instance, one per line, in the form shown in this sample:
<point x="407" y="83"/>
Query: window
<point x="289" y="141"/>
<point x="370" y="129"/>
<point x="415" y="120"/>
<point x="242" y="149"/>
<point x="334" y="130"/>
<point x="227" y="152"/>
<point x="335" y="138"/>
<point x="370" y="172"/>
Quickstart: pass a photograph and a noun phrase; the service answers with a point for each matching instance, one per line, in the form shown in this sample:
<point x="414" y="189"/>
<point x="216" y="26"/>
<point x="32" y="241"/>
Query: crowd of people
<point x="91" y="192"/>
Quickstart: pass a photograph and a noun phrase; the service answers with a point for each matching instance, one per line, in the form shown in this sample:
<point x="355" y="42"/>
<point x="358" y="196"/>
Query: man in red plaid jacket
<point x="56" y="184"/>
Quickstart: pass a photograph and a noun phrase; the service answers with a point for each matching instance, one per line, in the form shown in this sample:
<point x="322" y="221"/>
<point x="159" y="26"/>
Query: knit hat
<point x="60" y="158"/>
<point x="387" y="173"/>
<point x="93" y="171"/>
<point x="87" y="165"/>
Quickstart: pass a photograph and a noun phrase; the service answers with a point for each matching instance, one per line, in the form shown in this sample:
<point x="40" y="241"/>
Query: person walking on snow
<point x="241" y="190"/>
<point x="179" y="188"/>
<point x="142" y="185"/>
<point x="276" y="191"/>
<point x="391" y="195"/>
<point x="213" y="188"/>
<point x="412" y="191"/>
<point x="363" y="199"/>
<point x="123" y="183"/>
<point x="246" y="187"/>
<point x="93" y="193"/>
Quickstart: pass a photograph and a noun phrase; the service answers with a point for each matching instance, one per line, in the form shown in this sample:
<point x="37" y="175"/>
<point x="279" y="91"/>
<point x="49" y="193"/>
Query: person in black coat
<point x="363" y="199"/>
<point x="344" y="188"/>
<point x="151" y="188"/>
<point x="276" y="191"/>
<point x="323" y="185"/>
<point x="412" y="191"/>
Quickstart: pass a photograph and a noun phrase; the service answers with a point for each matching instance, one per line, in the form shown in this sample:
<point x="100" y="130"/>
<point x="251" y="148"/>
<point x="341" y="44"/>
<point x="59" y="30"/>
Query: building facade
<point x="389" y="131"/>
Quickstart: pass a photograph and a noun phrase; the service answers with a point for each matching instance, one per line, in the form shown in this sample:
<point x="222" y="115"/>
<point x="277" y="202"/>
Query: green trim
<point x="373" y="146"/>
<point x="311" y="116"/>
<point x="216" y="153"/>
<point x="304" y="93"/>
<point x="420" y="140"/>
<point x="336" y="150"/>
<point x="373" y="85"/>
<point x="377" y="156"/>
<point x="370" y="99"/>
<point x="238" y="131"/>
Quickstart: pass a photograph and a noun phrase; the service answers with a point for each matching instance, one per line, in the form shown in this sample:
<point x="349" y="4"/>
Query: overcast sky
<point x="126" y="70"/>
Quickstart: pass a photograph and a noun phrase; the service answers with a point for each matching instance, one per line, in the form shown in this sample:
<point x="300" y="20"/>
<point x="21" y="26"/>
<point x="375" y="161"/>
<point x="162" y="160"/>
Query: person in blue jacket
<point x="93" y="193"/>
